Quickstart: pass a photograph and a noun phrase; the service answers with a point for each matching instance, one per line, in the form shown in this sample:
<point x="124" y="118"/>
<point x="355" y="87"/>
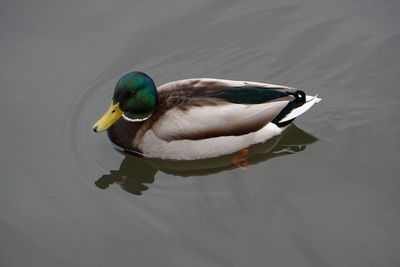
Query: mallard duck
<point x="197" y="118"/>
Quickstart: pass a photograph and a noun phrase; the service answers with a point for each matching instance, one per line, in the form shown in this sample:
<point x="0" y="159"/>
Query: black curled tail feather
<point x="300" y="99"/>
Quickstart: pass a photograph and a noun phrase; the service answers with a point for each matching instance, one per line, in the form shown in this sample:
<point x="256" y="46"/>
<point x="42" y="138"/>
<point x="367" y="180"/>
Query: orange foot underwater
<point x="239" y="160"/>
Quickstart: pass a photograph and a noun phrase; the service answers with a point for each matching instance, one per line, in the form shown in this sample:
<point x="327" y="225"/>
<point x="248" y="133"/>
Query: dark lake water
<point x="325" y="193"/>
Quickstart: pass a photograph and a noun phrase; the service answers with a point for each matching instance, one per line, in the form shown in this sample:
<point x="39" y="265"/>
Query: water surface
<point x="323" y="194"/>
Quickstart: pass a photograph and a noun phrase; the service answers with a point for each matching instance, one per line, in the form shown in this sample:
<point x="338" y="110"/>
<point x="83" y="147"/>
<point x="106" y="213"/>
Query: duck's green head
<point x="135" y="98"/>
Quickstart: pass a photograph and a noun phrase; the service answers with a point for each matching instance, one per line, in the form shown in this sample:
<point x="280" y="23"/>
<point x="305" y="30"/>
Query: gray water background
<point x="305" y="202"/>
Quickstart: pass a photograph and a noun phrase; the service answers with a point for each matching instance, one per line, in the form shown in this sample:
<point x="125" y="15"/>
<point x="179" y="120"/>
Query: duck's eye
<point x="113" y="111"/>
<point x="129" y="94"/>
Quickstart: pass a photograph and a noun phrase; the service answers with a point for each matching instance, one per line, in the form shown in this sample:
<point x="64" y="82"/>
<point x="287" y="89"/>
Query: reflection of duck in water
<point x="197" y="118"/>
<point x="134" y="172"/>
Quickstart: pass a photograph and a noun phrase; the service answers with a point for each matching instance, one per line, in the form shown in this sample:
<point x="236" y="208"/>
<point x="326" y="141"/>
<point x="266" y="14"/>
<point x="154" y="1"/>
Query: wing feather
<point x="204" y="108"/>
<point x="213" y="121"/>
<point x="214" y="84"/>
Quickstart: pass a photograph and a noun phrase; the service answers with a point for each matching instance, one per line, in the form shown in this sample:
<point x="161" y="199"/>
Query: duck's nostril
<point x="95" y="129"/>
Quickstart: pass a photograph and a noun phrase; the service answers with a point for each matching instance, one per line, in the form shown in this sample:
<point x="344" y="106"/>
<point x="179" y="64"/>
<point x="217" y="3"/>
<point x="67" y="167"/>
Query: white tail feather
<point x="310" y="101"/>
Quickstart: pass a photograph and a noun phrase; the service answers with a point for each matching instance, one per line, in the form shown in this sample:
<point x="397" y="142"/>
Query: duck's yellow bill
<point x="109" y="118"/>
